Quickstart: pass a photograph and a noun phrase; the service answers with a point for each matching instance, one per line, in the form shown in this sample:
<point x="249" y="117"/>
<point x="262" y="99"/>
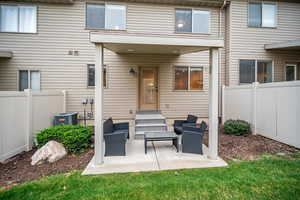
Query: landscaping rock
<point x="52" y="151"/>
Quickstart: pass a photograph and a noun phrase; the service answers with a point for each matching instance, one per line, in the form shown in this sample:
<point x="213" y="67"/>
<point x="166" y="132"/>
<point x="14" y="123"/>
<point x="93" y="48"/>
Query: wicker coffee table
<point x="161" y="136"/>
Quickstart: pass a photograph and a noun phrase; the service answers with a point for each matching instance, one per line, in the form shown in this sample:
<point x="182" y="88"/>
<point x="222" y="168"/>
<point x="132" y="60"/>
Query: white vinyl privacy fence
<point x="273" y="109"/>
<point x="23" y="114"/>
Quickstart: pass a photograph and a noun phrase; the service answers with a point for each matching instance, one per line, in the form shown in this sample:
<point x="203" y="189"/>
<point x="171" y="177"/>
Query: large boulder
<point x="52" y="151"/>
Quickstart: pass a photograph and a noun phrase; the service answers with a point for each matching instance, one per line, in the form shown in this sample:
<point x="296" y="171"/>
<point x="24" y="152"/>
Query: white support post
<point x="254" y="86"/>
<point x="29" y="137"/>
<point x="64" y="101"/>
<point x="99" y="150"/>
<point x="213" y="103"/>
<point x="223" y="103"/>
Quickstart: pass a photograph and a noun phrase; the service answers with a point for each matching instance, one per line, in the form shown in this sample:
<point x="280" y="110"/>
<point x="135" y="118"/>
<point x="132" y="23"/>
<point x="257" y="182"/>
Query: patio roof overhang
<point x="287" y="45"/>
<point x="125" y="44"/>
<point x="6" y="54"/>
<point x="156" y="45"/>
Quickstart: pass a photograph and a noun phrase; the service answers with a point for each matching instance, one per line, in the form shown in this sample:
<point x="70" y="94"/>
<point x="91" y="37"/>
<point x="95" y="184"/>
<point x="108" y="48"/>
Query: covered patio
<point x="161" y="156"/>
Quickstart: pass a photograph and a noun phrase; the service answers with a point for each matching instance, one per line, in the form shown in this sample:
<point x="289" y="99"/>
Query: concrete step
<point x="150" y="121"/>
<point x="149" y="116"/>
<point x="147" y="112"/>
<point x="150" y="127"/>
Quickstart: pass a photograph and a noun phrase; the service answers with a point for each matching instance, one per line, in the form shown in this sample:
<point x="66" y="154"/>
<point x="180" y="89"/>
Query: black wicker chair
<point x="115" y="136"/>
<point x="190" y="121"/>
<point x="192" y="139"/>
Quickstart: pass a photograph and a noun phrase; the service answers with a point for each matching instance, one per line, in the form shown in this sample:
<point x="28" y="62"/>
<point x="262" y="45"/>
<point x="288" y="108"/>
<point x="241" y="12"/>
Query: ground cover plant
<point x="75" y="138"/>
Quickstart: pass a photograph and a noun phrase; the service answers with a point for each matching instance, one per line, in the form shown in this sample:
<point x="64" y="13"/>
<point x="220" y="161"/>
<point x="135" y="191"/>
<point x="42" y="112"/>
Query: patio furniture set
<point x="187" y="136"/>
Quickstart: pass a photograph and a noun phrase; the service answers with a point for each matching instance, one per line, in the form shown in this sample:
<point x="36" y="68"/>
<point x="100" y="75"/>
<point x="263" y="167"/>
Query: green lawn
<point x="275" y="178"/>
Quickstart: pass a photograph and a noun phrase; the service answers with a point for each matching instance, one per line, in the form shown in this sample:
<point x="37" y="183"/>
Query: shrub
<point x="75" y="138"/>
<point x="237" y="127"/>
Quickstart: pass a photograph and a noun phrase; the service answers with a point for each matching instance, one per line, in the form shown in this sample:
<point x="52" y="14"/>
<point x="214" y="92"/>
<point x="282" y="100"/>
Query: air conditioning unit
<point x="70" y="118"/>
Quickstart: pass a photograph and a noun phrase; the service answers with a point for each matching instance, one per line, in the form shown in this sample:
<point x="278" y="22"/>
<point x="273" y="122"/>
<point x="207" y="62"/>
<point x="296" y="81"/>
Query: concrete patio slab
<point x="169" y="159"/>
<point x="135" y="161"/>
<point x="160" y="156"/>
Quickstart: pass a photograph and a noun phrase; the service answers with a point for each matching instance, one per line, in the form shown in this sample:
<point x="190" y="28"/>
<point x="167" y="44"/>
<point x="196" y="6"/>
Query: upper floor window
<point x="256" y="71"/>
<point x="106" y="16"/>
<point x="194" y="21"/>
<point x="18" y="19"/>
<point x="188" y="78"/>
<point x="262" y="14"/>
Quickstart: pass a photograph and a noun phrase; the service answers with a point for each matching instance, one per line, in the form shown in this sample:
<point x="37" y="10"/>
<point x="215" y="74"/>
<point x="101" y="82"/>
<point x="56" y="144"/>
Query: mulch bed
<point x="249" y="147"/>
<point x="18" y="169"/>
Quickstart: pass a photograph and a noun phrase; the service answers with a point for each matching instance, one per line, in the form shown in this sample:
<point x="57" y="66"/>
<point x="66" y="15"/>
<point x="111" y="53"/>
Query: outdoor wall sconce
<point x="132" y="71"/>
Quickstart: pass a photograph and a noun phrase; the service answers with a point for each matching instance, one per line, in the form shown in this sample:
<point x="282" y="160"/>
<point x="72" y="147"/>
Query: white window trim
<point x="87" y="76"/>
<point x="189" y="80"/>
<point x="262" y="3"/>
<point x="295" y="71"/>
<point x="255" y="71"/>
<point x="18" y="6"/>
<point x="29" y="77"/>
<point x="209" y="20"/>
<point x="105" y="22"/>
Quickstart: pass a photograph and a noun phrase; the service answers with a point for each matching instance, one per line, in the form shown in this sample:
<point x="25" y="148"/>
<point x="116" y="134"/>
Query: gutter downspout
<point x="220" y="58"/>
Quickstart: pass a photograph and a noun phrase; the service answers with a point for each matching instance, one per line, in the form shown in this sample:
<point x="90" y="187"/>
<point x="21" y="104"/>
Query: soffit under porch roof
<point x="126" y="44"/>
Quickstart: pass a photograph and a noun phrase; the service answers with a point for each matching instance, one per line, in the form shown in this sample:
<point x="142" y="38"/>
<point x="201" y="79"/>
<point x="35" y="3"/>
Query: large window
<point x="188" y="78"/>
<point x="106" y="16"/>
<point x="91" y="75"/>
<point x="262" y="14"/>
<point x="247" y="71"/>
<point x="292" y="72"/>
<point x="195" y="21"/>
<point x="256" y="71"/>
<point x="264" y="71"/>
<point x="18" y="19"/>
<point x="29" y="79"/>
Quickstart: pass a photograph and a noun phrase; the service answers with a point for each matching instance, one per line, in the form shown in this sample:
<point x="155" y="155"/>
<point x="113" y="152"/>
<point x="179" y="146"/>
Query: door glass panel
<point x="148" y="87"/>
<point x="290" y="73"/>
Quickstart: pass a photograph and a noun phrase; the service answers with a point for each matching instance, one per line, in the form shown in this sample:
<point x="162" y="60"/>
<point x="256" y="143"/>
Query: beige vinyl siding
<point x="61" y="28"/>
<point x="248" y="42"/>
<point x="148" y="19"/>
